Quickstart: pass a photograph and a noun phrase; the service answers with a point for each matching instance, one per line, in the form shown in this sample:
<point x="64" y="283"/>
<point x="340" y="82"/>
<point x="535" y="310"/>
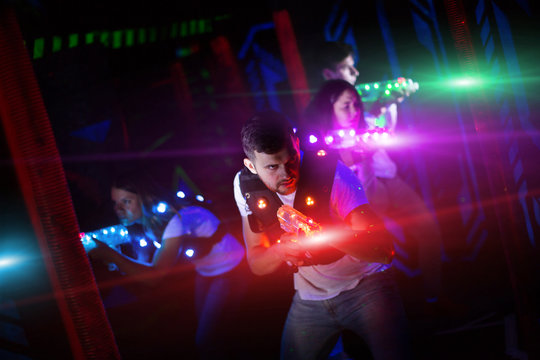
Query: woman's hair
<point x="320" y="112"/>
<point x="319" y="115"/>
<point x="150" y="195"/>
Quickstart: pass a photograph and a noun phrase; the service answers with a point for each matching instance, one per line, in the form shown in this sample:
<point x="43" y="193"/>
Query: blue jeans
<point x="373" y="310"/>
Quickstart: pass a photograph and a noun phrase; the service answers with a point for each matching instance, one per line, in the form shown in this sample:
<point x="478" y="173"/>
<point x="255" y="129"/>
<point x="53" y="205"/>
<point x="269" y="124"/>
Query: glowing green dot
<point x="117" y="39"/>
<point x="39" y="46"/>
<point x="389" y="86"/>
<point x="73" y="40"/>
<point x="184" y="29"/>
<point x="367" y="87"/>
<point x="142" y="35"/>
<point x="396" y="84"/>
<point x="130" y="37"/>
<point x="376" y="86"/>
<point x="387" y="92"/>
<point x="89" y="38"/>
<point x="152" y="34"/>
<point x="57" y="44"/>
<point x="192" y="27"/>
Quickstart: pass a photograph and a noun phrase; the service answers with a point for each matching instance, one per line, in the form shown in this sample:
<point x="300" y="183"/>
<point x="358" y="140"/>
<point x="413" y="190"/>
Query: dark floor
<point x="160" y="323"/>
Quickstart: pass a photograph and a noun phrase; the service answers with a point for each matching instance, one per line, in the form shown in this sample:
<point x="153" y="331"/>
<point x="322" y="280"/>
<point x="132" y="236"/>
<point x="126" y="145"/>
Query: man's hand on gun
<point x="292" y="250"/>
<point x="302" y="234"/>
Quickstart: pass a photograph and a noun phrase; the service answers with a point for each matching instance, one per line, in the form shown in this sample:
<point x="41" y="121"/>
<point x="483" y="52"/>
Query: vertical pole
<point x="292" y="59"/>
<point x="43" y="184"/>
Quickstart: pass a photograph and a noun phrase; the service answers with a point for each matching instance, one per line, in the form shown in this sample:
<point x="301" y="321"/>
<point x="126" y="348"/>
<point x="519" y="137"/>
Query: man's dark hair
<point x="333" y="52"/>
<point x="266" y="132"/>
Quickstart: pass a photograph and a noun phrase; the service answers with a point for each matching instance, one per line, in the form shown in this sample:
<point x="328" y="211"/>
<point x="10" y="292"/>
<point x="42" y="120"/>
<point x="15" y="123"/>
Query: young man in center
<point x="342" y="276"/>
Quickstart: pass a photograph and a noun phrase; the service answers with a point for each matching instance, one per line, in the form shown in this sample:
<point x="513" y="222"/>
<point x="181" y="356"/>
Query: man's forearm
<point x="263" y="261"/>
<point x="367" y="245"/>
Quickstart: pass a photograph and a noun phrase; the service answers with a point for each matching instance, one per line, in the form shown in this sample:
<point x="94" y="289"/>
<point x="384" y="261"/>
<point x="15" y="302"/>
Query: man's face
<point x="127" y="206"/>
<point x="344" y="70"/>
<point x="279" y="171"/>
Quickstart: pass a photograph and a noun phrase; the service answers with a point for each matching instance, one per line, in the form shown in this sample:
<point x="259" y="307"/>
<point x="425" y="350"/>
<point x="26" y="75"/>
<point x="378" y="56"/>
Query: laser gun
<point x="350" y="138"/>
<point x="113" y="236"/>
<point x="387" y="91"/>
<point x="293" y="221"/>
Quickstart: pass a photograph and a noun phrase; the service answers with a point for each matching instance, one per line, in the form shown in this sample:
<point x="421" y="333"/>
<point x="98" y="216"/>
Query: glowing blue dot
<point x="113" y="229"/>
<point x="162" y="207"/>
<point x="143" y="242"/>
<point x="157" y="245"/>
<point x="105" y="232"/>
<point x="199" y="198"/>
<point x="190" y="252"/>
<point x="181" y="194"/>
<point x="112" y="267"/>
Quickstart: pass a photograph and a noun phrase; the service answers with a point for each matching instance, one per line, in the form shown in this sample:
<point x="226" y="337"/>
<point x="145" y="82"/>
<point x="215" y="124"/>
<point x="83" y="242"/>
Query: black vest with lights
<point x="317" y="171"/>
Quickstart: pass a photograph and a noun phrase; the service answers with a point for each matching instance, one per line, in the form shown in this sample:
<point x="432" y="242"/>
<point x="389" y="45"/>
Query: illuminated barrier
<point x="387" y="91"/>
<point x="350" y="138"/>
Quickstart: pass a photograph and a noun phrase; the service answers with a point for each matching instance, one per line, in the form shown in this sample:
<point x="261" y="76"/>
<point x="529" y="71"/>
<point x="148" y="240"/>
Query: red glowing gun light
<point x="293" y="221"/>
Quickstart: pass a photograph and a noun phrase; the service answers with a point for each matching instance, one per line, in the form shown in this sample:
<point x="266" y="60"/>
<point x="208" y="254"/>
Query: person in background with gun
<point x="337" y="105"/>
<point x="191" y="234"/>
<point x="336" y="61"/>
<point x="389" y="195"/>
<point x="342" y="278"/>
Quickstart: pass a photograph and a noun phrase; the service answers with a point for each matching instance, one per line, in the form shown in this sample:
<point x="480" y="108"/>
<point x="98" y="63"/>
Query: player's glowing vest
<point x="312" y="198"/>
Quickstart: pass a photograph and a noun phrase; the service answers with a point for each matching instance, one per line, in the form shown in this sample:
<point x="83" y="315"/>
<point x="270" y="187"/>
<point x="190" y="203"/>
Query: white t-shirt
<point x="200" y="222"/>
<point x="320" y="282"/>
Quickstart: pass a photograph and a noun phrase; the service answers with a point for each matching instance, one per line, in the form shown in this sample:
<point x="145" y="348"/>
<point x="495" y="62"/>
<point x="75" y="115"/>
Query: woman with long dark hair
<point x="187" y="234"/>
<point x="338" y="106"/>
